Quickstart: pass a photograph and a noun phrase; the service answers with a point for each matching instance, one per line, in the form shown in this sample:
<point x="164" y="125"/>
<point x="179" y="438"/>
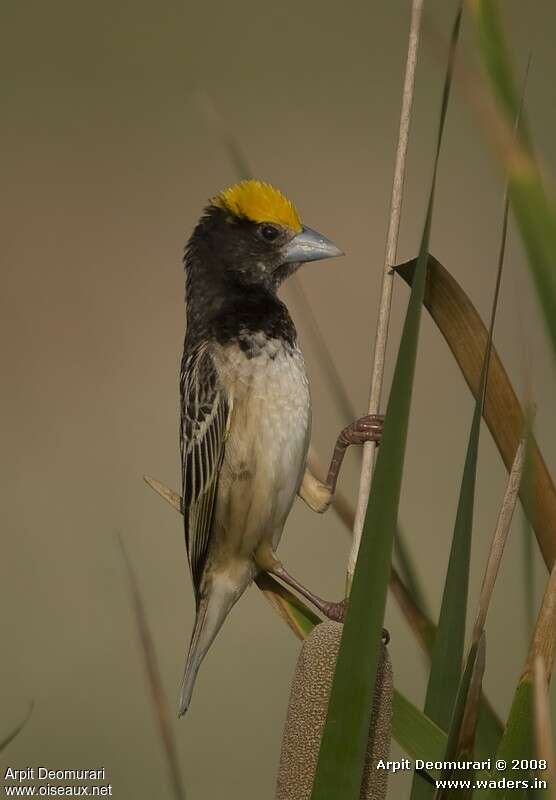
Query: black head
<point x="251" y="235"/>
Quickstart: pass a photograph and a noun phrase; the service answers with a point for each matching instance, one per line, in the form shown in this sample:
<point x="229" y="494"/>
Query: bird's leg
<point x="266" y="559"/>
<point x="365" y="429"/>
<point x="335" y="611"/>
<point x="317" y="494"/>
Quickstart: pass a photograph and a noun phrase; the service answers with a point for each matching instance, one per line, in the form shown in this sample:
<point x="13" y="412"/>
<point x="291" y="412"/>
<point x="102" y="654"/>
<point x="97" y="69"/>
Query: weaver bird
<point x="245" y="405"/>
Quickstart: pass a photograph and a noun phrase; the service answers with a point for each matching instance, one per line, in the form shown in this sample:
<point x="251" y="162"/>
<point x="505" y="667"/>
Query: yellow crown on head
<point x="258" y="202"/>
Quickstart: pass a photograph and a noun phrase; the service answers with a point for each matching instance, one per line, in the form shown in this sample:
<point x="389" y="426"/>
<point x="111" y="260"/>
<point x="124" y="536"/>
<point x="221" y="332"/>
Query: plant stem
<point x="387" y="279"/>
<point x="499" y="540"/>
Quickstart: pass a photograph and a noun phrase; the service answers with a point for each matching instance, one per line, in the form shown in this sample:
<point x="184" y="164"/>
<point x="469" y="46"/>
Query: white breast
<point x="267" y="443"/>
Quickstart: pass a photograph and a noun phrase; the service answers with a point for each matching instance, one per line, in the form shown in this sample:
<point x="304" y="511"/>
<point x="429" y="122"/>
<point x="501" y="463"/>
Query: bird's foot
<point x="334" y="611"/>
<point x="365" y="429"/>
<point x="337" y="613"/>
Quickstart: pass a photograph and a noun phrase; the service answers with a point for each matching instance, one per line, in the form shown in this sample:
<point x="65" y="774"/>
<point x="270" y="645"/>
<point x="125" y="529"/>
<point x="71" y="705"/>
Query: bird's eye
<point x="269" y="232"/>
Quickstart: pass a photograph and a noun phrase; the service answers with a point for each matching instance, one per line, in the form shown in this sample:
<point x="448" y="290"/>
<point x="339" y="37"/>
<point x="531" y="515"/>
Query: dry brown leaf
<point x="466" y="335"/>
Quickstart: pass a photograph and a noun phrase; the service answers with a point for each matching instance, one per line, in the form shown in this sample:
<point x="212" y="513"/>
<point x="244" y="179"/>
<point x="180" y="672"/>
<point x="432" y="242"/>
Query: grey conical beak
<point x="309" y="245"/>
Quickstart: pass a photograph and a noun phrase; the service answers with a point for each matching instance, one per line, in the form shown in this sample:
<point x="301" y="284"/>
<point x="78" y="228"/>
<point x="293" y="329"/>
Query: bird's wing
<point x="204" y="420"/>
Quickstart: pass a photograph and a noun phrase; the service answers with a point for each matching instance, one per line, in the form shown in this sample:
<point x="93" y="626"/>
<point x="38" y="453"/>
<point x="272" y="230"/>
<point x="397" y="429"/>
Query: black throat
<point x="222" y="309"/>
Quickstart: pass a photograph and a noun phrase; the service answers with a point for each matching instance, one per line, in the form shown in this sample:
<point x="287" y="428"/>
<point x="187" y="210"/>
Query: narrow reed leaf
<point x="461" y="735"/>
<point x="518" y="741"/>
<point x="447" y="654"/>
<point x="418" y="735"/>
<point x="346" y="731"/>
<point x="534" y="211"/>
<point x="444" y="684"/>
<point x="154" y="679"/>
<point x="17" y="730"/>
<point x="470" y="698"/>
<point x="466" y="335"/>
<point x="489" y="729"/>
<point x="498" y="63"/>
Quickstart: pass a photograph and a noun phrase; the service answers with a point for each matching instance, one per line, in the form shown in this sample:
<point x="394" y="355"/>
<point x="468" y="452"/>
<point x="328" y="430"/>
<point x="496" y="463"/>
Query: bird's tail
<point x="212" y="610"/>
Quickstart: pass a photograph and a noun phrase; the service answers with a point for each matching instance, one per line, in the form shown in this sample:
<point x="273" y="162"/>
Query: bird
<point x="245" y="404"/>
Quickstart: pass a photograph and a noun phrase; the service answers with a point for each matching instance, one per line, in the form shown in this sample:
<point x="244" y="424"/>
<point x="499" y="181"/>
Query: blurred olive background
<point x="108" y="162"/>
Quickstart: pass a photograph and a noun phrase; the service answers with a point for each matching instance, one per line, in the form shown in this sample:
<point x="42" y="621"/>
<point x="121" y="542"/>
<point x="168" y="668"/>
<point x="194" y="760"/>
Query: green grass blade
<point x="449" y="641"/>
<point x="346" y="730"/>
<point x="461" y="736"/>
<point x="534" y="212"/>
<point x="444" y="680"/>
<point x="518" y="741"/>
<point x="489" y="730"/>
<point x="418" y="735"/>
<point x="448" y="647"/>
<point x="447" y="656"/>
<point x="497" y="60"/>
